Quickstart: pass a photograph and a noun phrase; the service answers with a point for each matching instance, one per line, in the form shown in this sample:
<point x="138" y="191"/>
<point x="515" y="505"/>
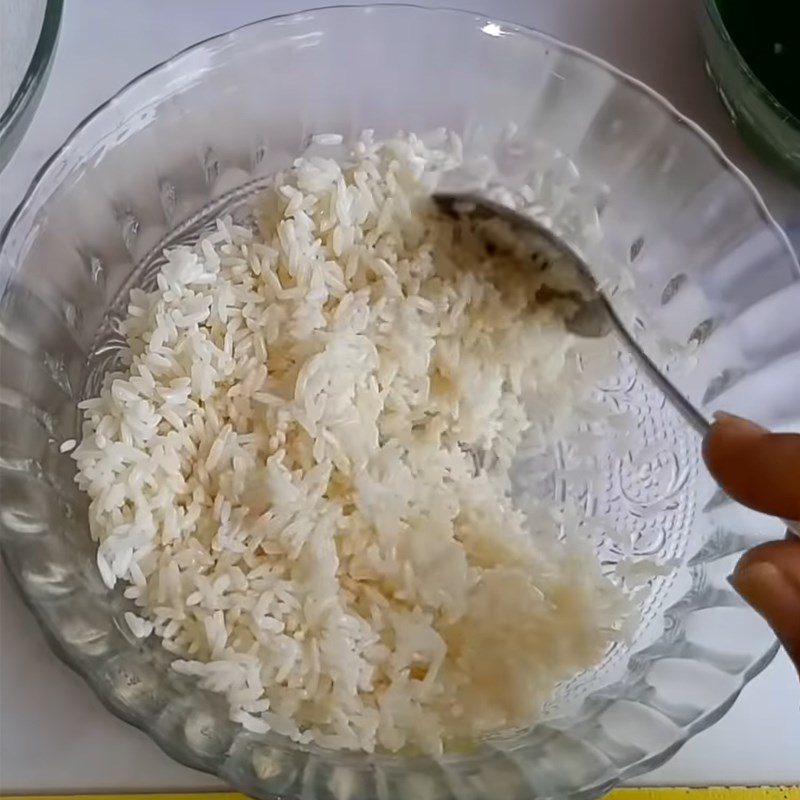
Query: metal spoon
<point x="595" y="315"/>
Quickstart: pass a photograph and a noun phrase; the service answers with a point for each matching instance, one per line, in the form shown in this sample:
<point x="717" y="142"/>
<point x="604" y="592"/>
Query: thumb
<point x="768" y="578"/>
<point x="754" y="466"/>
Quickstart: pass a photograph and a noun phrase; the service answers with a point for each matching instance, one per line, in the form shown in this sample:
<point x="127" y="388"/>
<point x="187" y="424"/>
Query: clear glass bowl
<point x="710" y="269"/>
<point x="760" y="117"/>
<point x="28" y="39"/>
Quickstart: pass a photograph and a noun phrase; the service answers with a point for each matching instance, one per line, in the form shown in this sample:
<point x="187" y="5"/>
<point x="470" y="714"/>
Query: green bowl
<point x="771" y="128"/>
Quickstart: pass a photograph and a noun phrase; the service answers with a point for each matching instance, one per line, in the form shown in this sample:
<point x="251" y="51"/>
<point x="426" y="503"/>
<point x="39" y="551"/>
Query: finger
<point x="768" y="578"/>
<point x="758" y="468"/>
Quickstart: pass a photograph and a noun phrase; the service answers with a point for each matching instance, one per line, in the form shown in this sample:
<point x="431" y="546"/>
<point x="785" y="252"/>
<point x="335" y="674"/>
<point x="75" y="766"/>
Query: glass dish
<point x="30" y="36"/>
<point x="712" y="274"/>
<point x="760" y="117"/>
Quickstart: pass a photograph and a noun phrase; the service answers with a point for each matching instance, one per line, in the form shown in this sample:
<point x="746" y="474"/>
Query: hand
<point x="762" y="470"/>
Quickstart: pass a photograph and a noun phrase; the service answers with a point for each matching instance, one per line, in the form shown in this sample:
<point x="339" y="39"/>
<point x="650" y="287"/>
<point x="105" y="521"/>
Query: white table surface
<point x="54" y="735"/>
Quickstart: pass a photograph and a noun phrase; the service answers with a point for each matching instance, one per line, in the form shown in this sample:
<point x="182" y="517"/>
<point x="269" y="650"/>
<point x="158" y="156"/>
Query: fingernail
<point x="742" y="423"/>
<point x="770" y="592"/>
<point x="730" y="429"/>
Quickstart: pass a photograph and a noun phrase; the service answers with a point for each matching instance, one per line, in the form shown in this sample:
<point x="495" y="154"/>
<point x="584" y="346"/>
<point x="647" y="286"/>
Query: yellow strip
<point x="710" y="793"/>
<point x="678" y="793"/>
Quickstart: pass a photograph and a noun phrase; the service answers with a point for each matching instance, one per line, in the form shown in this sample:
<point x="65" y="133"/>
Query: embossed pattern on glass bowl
<point x="710" y="269"/>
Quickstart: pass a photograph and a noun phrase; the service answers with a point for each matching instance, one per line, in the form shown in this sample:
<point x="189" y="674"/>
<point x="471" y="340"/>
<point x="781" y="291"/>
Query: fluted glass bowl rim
<point x="37" y="68"/>
<point x="141" y="719"/>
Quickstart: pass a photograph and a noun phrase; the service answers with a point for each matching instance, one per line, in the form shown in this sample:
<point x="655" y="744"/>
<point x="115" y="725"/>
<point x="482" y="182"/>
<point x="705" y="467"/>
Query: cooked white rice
<point x="303" y="475"/>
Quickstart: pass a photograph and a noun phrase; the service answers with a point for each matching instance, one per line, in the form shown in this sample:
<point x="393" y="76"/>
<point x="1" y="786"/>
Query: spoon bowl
<point x="595" y="316"/>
